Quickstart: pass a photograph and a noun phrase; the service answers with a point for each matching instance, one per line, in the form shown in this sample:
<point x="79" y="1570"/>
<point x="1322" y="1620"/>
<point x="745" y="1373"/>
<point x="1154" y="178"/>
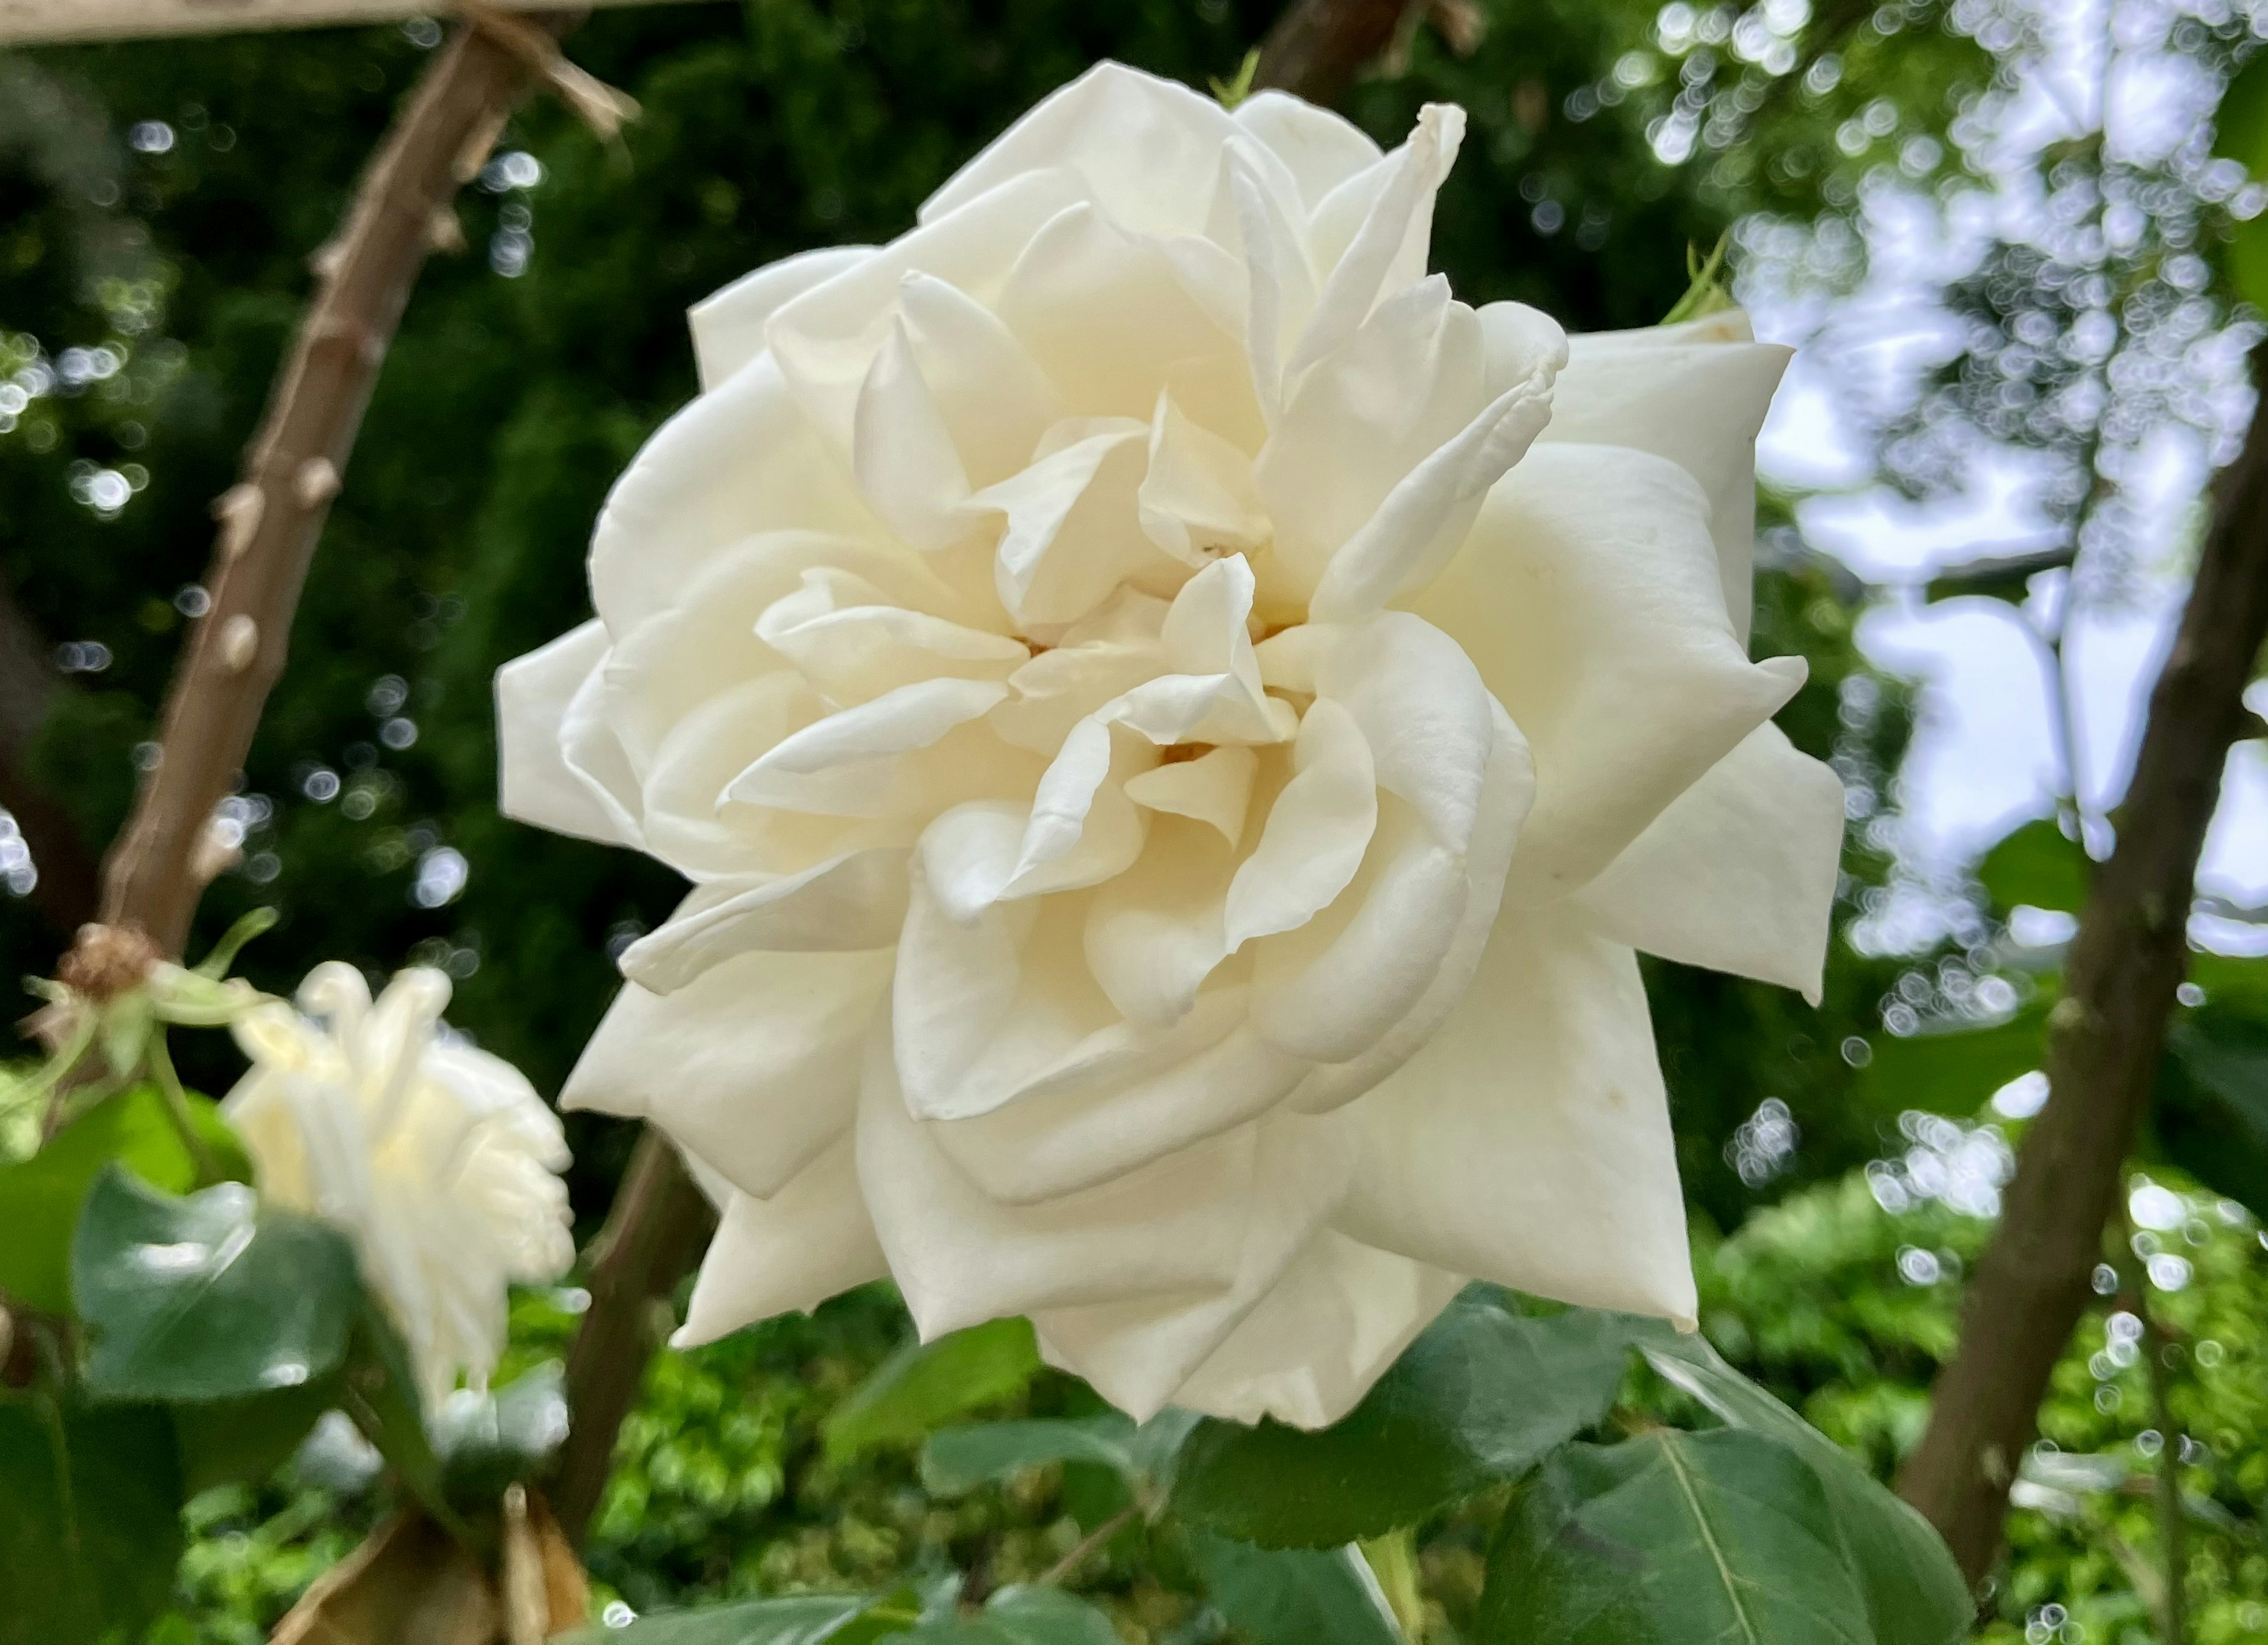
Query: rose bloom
<point x="439" y="1160"/>
<point x="1176" y="727"/>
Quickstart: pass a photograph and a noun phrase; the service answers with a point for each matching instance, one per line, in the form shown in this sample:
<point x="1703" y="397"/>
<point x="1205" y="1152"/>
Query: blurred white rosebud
<point x="438" y="1159"/>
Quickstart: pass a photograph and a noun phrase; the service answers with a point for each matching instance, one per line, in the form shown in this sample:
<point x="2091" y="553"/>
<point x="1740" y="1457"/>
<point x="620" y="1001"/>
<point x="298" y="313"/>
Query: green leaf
<point x="205" y="1297"/>
<point x="487" y="1440"/>
<point x="1294" y="1596"/>
<point x="2241" y="122"/>
<point x="40" y="1196"/>
<point x="90" y="1522"/>
<point x="2210" y="1113"/>
<point x="924" y="1385"/>
<point x="1670" y="1538"/>
<point x="1705" y="291"/>
<point x="957" y="1460"/>
<point x="1998" y="577"/>
<point x="381" y="1394"/>
<point x="799" y="1619"/>
<point x="1954" y="1070"/>
<point x="1914" y="1592"/>
<point x="232" y="1442"/>
<point x="2036" y="866"/>
<point x="1477" y="1398"/>
<point x="1030" y="1615"/>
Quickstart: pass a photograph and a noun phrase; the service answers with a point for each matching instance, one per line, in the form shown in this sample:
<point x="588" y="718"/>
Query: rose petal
<point x="1696" y="402"/>
<point x="1322" y="150"/>
<point x="787" y="1253"/>
<point x="1528" y="1142"/>
<point x="728" y="324"/>
<point x="1588" y="596"/>
<point x="962" y="1258"/>
<point x="1739" y="872"/>
<point x="753" y="1064"/>
<point x="857" y="900"/>
<point x="534" y="783"/>
<point x="1146" y="147"/>
<point x="1307" y="1354"/>
<point x="1315" y="834"/>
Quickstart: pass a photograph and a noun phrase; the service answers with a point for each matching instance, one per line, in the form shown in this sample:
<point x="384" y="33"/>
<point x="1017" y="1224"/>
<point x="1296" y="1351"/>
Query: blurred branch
<point x="2104" y="1036"/>
<point x="67" y="888"/>
<point x="653" y="1235"/>
<point x="270" y="519"/>
<point x="26" y="21"/>
<point x="1317" y="47"/>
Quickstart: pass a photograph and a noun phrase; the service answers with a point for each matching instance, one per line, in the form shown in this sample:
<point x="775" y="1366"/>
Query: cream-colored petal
<point x="1215" y="788"/>
<point x="1341" y="1314"/>
<point x="962" y="1258"/>
<point x="1139" y="1352"/>
<point x="1071" y="533"/>
<point x="1115" y="318"/>
<point x="786" y="1253"/>
<point x="1215" y="1074"/>
<point x="752" y="1065"/>
<point x="1317" y="831"/>
<point x="1155" y="933"/>
<point x="852" y="645"/>
<point x="1386" y="249"/>
<point x="1001" y="1008"/>
<point x="855" y="900"/>
<point x="1196" y="500"/>
<point x="846" y="764"/>
<point x="534" y="783"/>
<point x="1739" y="874"/>
<point x="1528" y="1142"/>
<point x="1147" y="149"/>
<point x="902" y="453"/>
<point x="1321" y="149"/>
<point x="738" y="460"/>
<point x="728" y="324"/>
<point x="1696" y="401"/>
<point x="1588" y="596"/>
<point x="823" y="343"/>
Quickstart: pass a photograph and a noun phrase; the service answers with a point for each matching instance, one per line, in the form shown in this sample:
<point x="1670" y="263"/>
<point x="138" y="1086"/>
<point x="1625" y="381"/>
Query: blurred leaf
<point x="40" y="1196"/>
<point x="1954" y="1070"/>
<point x="1027" y="1615"/>
<point x="1294" y="1596"/>
<point x="205" y="1297"/>
<point x="926" y="1384"/>
<point x="801" y="1619"/>
<point x="90" y="1522"/>
<point x="1998" y="577"/>
<point x="381" y="1395"/>
<point x="1476" y="1399"/>
<point x="2210" y="1116"/>
<point x="244" y="1441"/>
<point x="2037" y="866"/>
<point x="1915" y="1594"/>
<point x="1672" y="1539"/>
<point x="488" y="1439"/>
<point x="957" y="1460"/>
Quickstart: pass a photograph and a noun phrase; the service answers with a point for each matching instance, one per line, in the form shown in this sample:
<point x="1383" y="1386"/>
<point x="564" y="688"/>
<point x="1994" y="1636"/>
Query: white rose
<point x="439" y="1160"/>
<point x="1170" y="805"/>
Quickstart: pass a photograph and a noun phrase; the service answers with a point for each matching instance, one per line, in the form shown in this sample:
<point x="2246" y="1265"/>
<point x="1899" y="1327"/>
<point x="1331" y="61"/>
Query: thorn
<point x="316" y="483"/>
<point x="239" y="643"/>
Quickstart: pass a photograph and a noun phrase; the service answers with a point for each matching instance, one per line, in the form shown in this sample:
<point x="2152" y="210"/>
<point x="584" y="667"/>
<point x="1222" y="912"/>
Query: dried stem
<point x="2104" y="1036"/>
<point x="653" y="1236"/>
<point x="1317" y="47"/>
<point x="270" y="519"/>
